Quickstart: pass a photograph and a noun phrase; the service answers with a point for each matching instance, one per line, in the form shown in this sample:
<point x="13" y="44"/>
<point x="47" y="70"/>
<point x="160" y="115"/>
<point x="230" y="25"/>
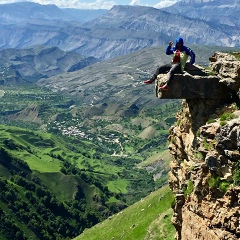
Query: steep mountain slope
<point x="38" y="186"/>
<point x="146" y="219"/>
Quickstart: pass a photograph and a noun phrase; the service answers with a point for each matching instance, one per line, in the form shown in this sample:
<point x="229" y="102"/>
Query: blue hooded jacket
<point x="185" y="52"/>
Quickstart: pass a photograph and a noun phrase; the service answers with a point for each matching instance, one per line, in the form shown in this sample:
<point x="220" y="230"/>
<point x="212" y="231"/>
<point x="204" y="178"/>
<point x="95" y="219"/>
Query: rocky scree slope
<point x="205" y="171"/>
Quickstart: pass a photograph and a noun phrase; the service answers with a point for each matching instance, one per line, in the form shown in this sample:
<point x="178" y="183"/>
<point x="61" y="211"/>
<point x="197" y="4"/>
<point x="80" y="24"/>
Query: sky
<point x="98" y="4"/>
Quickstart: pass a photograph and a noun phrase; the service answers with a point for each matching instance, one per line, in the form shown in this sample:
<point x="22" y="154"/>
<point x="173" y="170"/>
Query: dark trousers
<point x="172" y="68"/>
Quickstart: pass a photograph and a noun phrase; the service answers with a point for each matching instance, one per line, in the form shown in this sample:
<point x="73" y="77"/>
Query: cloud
<point x="85" y="4"/>
<point x="161" y="4"/>
<point x="135" y="2"/>
<point x="97" y="4"/>
<point x="6" y="1"/>
<point x="165" y="3"/>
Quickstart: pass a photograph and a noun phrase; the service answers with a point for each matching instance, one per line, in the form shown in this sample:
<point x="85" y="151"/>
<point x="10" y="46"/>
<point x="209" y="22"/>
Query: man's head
<point x="179" y="42"/>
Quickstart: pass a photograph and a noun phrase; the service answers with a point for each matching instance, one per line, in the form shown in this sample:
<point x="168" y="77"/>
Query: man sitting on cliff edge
<point x="178" y="63"/>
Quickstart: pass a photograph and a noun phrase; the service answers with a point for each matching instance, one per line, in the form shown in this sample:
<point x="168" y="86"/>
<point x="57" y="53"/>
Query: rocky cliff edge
<point x="205" y="146"/>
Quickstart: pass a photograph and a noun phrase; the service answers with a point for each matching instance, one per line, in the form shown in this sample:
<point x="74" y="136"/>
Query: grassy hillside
<point x="62" y="173"/>
<point x="149" y="218"/>
<point x="40" y="183"/>
<point x="79" y="164"/>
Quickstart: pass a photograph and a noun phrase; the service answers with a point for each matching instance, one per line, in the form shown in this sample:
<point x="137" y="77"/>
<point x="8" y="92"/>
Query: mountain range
<point x="20" y="12"/>
<point x="88" y="80"/>
<point x="122" y="29"/>
<point x="219" y="12"/>
<point x="31" y="64"/>
<point x="120" y="80"/>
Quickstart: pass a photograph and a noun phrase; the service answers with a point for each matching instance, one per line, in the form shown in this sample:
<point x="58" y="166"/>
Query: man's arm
<point x="169" y="49"/>
<point x="192" y="55"/>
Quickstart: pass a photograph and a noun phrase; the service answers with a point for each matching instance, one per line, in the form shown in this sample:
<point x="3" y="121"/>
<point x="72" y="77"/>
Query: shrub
<point x="211" y="121"/>
<point x="224" y="186"/>
<point x="222" y="123"/>
<point x="173" y="202"/>
<point x="236" y="176"/>
<point x="199" y="156"/>
<point x="208" y="145"/>
<point x="189" y="189"/>
<point x="214" y="182"/>
<point x="236" y="54"/>
<point x="227" y="116"/>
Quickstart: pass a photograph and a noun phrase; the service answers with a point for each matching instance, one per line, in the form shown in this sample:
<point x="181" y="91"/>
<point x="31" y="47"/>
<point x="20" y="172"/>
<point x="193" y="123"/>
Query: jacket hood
<point x="179" y="40"/>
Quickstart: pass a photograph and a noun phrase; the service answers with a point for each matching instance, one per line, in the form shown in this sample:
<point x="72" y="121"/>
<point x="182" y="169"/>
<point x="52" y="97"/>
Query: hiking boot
<point x="164" y="87"/>
<point x="149" y="81"/>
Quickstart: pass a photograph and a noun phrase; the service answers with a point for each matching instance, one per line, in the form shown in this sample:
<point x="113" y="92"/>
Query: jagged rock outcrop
<point x="198" y="82"/>
<point x="205" y="171"/>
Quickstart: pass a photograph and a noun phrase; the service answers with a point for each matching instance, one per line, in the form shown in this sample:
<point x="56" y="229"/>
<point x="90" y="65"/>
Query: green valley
<point x="69" y="166"/>
<point x="70" y="161"/>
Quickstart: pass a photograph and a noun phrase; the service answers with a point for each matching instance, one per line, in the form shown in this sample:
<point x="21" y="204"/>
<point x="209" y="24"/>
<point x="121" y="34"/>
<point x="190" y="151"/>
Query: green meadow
<point x="150" y="218"/>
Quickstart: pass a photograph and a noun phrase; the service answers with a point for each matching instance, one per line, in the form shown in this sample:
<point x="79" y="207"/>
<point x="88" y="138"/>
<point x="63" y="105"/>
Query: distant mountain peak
<point x="202" y="2"/>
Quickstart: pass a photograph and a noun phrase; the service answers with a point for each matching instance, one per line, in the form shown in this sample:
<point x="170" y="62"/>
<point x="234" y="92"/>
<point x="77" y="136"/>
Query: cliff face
<point x="205" y="171"/>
